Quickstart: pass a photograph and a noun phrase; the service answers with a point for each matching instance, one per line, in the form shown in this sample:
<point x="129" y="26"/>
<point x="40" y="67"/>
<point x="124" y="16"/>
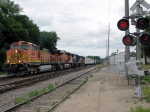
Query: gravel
<point x="7" y="99"/>
<point x="106" y="91"/>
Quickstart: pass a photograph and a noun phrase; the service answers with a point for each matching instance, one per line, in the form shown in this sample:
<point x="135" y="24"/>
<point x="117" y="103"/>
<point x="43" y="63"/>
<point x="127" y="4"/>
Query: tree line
<point x="16" y="27"/>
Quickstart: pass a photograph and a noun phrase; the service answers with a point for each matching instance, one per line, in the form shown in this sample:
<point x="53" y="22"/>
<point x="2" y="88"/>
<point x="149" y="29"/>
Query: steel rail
<point x="34" y="79"/>
<point x="34" y="98"/>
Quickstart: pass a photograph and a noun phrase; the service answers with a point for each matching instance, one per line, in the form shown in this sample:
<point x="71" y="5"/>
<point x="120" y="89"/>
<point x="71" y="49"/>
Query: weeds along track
<point x="13" y="83"/>
<point x="48" y="100"/>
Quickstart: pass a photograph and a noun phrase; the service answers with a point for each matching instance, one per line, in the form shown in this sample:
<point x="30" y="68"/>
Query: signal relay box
<point x="121" y="65"/>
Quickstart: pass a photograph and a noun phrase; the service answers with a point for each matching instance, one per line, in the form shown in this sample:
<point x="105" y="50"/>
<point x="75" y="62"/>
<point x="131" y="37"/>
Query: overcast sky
<point x="82" y="25"/>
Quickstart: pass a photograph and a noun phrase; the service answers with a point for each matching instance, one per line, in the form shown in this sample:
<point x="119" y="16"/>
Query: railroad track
<point x="36" y="78"/>
<point x="48" y="100"/>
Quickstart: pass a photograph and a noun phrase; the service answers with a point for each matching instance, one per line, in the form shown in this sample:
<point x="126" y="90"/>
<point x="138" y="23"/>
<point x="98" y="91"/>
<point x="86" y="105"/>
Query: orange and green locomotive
<point x="25" y="57"/>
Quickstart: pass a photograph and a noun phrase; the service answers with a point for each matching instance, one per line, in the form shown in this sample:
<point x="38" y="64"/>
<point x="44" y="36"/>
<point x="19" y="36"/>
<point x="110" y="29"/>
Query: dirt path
<point x="104" y="92"/>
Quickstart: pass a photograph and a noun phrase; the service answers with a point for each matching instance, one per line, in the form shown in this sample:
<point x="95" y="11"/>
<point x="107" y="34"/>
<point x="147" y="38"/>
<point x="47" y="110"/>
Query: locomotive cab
<point x="16" y="63"/>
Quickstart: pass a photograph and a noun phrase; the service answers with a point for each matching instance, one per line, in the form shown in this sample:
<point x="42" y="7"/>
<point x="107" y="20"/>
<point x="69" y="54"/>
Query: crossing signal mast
<point x="130" y="39"/>
<point x="136" y="38"/>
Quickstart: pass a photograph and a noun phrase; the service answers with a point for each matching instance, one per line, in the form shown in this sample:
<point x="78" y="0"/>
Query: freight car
<point x="27" y="58"/>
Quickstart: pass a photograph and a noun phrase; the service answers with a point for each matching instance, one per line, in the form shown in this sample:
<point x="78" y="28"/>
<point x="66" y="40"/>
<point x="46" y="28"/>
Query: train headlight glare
<point x="19" y="61"/>
<point x="8" y="61"/>
<point x="16" y="51"/>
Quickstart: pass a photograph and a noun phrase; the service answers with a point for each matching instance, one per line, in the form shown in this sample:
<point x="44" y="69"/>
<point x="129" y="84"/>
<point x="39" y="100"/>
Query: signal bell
<point x="129" y="40"/>
<point x="142" y="23"/>
<point x="123" y="24"/>
<point x="145" y="39"/>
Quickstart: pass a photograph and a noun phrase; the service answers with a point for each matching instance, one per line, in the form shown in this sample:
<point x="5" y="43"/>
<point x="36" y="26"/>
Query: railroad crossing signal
<point x="142" y="23"/>
<point x="145" y="39"/>
<point x="123" y="24"/>
<point x="129" y="40"/>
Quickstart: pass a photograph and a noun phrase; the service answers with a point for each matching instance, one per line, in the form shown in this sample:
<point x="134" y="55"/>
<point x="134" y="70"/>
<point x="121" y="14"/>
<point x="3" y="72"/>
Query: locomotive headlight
<point x="19" y="61"/>
<point x="8" y="61"/>
<point x="16" y="51"/>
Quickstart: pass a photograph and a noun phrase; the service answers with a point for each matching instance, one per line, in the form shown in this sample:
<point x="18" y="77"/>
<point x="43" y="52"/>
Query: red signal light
<point x="129" y="40"/>
<point x="142" y="23"/>
<point x="144" y="39"/>
<point x="123" y="24"/>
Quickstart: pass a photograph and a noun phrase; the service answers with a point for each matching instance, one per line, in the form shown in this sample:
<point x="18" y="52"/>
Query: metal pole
<point x="138" y="92"/>
<point x="127" y="48"/>
<point x="138" y="43"/>
<point x="138" y="36"/>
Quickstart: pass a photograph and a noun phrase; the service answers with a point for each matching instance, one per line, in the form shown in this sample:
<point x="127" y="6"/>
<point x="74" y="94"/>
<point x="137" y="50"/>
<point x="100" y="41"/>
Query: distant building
<point x="114" y="57"/>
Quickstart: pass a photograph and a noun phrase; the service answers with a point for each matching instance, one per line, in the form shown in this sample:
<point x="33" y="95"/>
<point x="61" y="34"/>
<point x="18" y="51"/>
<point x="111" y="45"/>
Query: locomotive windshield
<point x="25" y="47"/>
<point x="14" y="47"/>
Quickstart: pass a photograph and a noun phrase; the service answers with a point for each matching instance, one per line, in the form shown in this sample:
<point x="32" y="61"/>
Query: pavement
<point x="106" y="91"/>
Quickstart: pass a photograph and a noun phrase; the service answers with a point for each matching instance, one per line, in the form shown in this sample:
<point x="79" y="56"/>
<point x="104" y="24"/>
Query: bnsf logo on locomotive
<point x="16" y="56"/>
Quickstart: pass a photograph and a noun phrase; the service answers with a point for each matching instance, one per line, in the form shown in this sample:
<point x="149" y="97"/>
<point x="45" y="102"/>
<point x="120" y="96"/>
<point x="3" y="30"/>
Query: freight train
<point x="28" y="58"/>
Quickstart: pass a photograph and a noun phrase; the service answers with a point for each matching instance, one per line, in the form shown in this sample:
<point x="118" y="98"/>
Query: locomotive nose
<point x="13" y="56"/>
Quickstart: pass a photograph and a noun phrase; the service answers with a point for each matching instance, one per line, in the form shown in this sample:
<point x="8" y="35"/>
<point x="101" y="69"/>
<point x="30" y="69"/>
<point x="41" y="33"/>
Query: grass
<point x="91" y="75"/>
<point x="146" y="66"/>
<point x="146" y="91"/>
<point x="68" y="92"/>
<point x="86" y="79"/>
<point x="43" y="90"/>
<point x="56" y="84"/>
<point x="47" y="111"/>
<point x="54" y="103"/>
<point x="143" y="82"/>
<point x="33" y="94"/>
<point x="63" y="96"/>
<point x="22" y="99"/>
<point x="139" y="109"/>
<point x="50" y="87"/>
<point x="146" y="78"/>
<point x="19" y="100"/>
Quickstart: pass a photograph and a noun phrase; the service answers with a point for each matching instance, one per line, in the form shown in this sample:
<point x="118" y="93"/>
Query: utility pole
<point x="106" y="49"/>
<point x="108" y="39"/>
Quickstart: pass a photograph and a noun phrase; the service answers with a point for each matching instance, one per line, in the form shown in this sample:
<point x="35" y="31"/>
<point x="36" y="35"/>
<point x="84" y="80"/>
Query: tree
<point x="32" y="30"/>
<point x="9" y="8"/>
<point x="49" y="40"/>
<point x="7" y="27"/>
<point x="132" y="54"/>
<point x="94" y="57"/>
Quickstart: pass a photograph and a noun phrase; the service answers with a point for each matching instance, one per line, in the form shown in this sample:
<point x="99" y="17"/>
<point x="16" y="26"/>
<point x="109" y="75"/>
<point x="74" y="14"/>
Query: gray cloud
<point x="82" y="25"/>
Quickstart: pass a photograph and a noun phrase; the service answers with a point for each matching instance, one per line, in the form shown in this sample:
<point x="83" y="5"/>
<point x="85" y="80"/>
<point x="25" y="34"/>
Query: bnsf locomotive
<point x="27" y="58"/>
